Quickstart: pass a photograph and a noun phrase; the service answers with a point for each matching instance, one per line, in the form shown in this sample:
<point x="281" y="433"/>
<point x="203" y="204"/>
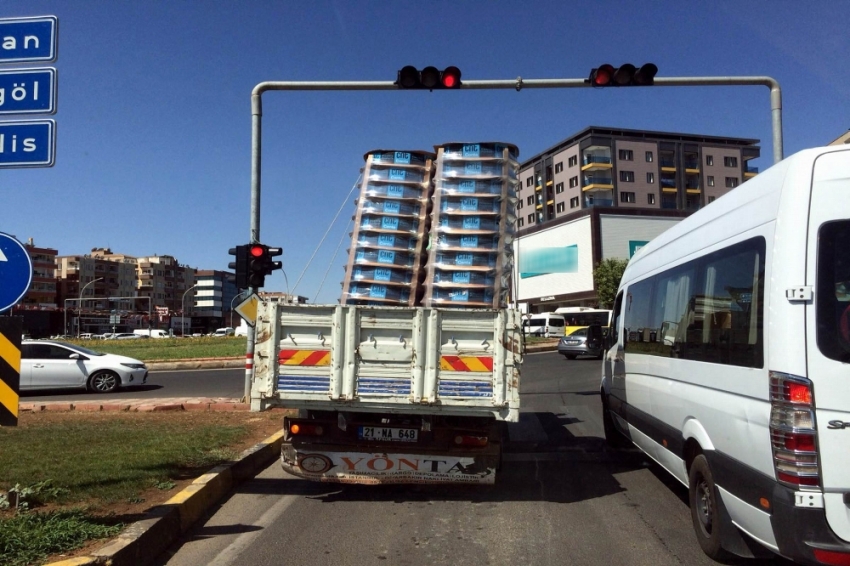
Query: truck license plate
<point x="387" y="434"/>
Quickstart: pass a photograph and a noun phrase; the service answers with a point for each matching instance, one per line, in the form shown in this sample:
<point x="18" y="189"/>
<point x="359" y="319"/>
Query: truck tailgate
<point x="393" y="359"/>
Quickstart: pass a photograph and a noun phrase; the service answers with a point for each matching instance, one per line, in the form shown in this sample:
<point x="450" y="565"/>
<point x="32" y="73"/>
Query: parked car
<point x="587" y="341"/>
<point x="226" y="331"/>
<point x="51" y="364"/>
<point x="126" y="336"/>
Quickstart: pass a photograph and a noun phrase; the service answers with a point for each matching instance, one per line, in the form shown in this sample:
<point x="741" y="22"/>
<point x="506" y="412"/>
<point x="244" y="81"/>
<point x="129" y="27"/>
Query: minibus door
<point x="828" y="330"/>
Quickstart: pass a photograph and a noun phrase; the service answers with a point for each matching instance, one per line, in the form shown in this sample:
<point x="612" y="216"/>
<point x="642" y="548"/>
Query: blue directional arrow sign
<point x="28" y="39"/>
<point x="28" y="91"/>
<point x="15" y="271"/>
<point x="28" y="143"/>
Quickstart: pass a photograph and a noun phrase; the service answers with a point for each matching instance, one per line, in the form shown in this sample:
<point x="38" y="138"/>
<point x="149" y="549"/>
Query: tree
<point x="606" y="279"/>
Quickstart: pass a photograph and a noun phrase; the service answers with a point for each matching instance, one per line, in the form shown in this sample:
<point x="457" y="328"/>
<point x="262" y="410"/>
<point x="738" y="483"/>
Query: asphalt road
<point x="161" y="384"/>
<point x="560" y="498"/>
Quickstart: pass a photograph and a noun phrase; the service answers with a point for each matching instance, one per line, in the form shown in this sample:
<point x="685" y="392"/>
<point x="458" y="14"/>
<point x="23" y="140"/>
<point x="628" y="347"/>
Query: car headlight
<point x="133" y="366"/>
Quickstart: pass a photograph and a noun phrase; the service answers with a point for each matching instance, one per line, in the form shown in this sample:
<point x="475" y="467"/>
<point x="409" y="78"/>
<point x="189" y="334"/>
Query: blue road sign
<point x="28" y="143"/>
<point x="28" y="91"/>
<point x="15" y="271"/>
<point x="28" y="39"/>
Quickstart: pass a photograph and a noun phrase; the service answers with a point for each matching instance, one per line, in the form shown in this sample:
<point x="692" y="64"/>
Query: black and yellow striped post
<point x="10" y="369"/>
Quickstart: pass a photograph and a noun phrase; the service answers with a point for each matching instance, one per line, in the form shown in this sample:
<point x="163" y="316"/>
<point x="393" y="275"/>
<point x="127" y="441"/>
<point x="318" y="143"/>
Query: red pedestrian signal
<point x="429" y="78"/>
<point x="625" y="75"/>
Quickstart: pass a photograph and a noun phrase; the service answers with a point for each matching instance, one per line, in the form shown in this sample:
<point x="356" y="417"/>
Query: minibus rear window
<point x="832" y="295"/>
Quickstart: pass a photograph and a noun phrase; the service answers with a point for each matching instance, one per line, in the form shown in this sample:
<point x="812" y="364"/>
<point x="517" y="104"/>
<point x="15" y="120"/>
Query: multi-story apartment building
<point x="603" y="193"/>
<point x="215" y="297"/>
<point x="95" y="275"/>
<point x="605" y="167"/>
<point x="42" y="292"/>
<point x="166" y="281"/>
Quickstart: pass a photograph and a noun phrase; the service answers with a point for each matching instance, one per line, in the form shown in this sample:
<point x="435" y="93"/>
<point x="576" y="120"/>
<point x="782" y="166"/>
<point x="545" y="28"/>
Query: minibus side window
<point x="672" y="313"/>
<point x="728" y="317"/>
<point x="613" y="332"/>
<point x="832" y="294"/>
<point x="639" y="336"/>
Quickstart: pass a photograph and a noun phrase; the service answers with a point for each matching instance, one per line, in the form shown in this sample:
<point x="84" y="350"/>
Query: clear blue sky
<point x="153" y="144"/>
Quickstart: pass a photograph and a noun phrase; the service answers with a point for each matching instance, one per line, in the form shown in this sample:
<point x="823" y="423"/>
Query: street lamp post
<point x="80" y="314"/>
<point x="183" y="306"/>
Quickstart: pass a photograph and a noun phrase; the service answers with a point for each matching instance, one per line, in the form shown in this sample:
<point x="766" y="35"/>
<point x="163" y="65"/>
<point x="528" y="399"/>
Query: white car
<point x="50" y="364"/>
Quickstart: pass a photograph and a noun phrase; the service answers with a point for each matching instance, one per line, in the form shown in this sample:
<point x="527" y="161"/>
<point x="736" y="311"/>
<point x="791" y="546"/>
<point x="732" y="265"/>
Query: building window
<point x="627" y="197"/>
<point x="529" y="200"/>
<point x="710" y="180"/>
<point x="573" y="182"/>
<point x="730" y="161"/>
<point x="731" y="182"/>
<point x="529" y="181"/>
<point x="650" y="198"/>
<point x="519" y="204"/>
<point x="560" y="207"/>
<point x="531" y="218"/>
<point x="626" y="155"/>
<point x="559" y="188"/>
<point x="574" y="202"/>
<point x="573" y="161"/>
<point x="649" y="157"/>
<point x="520" y="222"/>
<point x="627" y="176"/>
<point x="710" y="200"/>
<point x="650" y="178"/>
<point x="559" y="167"/>
<point x="709" y="160"/>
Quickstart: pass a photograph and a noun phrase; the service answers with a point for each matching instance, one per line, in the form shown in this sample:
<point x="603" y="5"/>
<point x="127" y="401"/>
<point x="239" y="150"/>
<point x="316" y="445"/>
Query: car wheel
<point x="103" y="381"/>
<point x="705" y="512"/>
<point x="613" y="438"/>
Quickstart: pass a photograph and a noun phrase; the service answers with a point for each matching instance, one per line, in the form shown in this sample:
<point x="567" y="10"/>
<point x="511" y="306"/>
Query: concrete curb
<point x="145" y="540"/>
<point x="206" y="363"/>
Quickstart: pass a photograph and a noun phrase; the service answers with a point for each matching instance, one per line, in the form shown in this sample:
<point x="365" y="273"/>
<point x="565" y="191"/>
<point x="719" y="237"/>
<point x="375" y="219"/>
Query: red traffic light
<point x="451" y="77"/>
<point x="625" y="75"/>
<point x="257" y="250"/>
<point x="429" y="78"/>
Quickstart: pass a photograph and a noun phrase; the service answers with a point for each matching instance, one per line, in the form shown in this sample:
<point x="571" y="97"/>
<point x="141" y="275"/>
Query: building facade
<point x="43" y="293"/>
<point x="603" y="193"/>
<point x="214" y="298"/>
<point x="166" y="282"/>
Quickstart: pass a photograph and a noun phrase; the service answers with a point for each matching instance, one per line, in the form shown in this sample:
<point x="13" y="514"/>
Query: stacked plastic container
<point x="474" y="212"/>
<point x="390" y="229"/>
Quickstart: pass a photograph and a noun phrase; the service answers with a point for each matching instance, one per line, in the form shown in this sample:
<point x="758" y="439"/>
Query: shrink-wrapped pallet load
<point x="470" y="254"/>
<point x="390" y="230"/>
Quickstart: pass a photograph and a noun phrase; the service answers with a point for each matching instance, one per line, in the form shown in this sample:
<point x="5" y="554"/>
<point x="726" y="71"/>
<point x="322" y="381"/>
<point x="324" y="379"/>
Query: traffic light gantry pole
<point x="517" y="84"/>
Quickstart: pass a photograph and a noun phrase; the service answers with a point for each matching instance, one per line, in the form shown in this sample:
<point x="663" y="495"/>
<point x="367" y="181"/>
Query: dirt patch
<point x="258" y="426"/>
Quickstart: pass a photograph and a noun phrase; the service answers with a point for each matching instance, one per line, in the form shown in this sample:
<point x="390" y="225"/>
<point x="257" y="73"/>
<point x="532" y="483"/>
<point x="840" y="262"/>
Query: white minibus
<point x="730" y="362"/>
<point x="544" y="324"/>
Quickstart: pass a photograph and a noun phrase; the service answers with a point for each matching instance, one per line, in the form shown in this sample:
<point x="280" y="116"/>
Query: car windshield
<point x="80" y="349"/>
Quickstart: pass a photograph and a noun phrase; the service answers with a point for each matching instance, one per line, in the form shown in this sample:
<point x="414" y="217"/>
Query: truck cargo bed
<point x="388" y="359"/>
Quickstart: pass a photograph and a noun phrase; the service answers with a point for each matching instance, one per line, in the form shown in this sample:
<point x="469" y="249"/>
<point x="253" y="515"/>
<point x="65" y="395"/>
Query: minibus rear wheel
<point x="705" y="511"/>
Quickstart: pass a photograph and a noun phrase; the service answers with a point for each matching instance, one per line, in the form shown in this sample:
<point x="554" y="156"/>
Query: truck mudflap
<point x="374" y="468"/>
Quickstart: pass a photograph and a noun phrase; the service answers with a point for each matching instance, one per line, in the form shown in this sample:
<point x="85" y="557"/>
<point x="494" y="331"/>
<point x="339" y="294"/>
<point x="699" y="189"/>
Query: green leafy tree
<point x="606" y="278"/>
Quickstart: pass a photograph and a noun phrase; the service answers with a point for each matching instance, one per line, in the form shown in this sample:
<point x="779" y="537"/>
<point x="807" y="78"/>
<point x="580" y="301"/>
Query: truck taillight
<point x="306" y="430"/>
<point x="469" y="440"/>
<point x="793" y="431"/>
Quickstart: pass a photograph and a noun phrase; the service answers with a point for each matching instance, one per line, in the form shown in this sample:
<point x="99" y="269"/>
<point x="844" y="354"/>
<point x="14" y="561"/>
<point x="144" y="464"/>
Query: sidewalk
<point x="139" y="405"/>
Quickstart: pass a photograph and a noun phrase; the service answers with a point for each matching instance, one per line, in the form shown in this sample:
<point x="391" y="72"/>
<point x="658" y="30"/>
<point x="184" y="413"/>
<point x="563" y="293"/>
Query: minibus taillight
<point x="793" y="432"/>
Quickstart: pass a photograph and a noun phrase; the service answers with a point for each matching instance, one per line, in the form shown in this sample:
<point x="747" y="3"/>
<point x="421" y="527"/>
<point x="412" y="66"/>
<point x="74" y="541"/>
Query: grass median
<point x="68" y="478"/>
<point x="151" y="349"/>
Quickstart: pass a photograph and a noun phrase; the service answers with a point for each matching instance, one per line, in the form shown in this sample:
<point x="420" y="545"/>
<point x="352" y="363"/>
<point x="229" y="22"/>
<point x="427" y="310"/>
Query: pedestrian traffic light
<point x="260" y="263"/>
<point x="429" y="78"/>
<point x="240" y="267"/>
<point x="625" y="75"/>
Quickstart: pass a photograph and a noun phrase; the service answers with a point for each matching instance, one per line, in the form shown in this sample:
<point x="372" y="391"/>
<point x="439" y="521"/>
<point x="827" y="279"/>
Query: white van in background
<point x="547" y="325"/>
<point x="152" y="332"/>
<point x="730" y="356"/>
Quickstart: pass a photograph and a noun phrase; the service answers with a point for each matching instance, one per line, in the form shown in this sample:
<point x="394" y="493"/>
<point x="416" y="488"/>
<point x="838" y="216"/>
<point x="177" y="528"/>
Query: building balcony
<point x="596" y="183"/>
<point x="668" y="205"/>
<point x="593" y="162"/>
<point x="751" y="172"/>
<point x="590" y="202"/>
<point x="667" y="183"/>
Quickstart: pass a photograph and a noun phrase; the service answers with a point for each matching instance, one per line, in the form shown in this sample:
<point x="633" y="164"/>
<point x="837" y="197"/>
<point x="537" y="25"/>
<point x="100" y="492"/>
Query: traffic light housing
<point x="260" y="263"/>
<point x="429" y="78"/>
<point x="239" y="266"/>
<point x="625" y="75"/>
